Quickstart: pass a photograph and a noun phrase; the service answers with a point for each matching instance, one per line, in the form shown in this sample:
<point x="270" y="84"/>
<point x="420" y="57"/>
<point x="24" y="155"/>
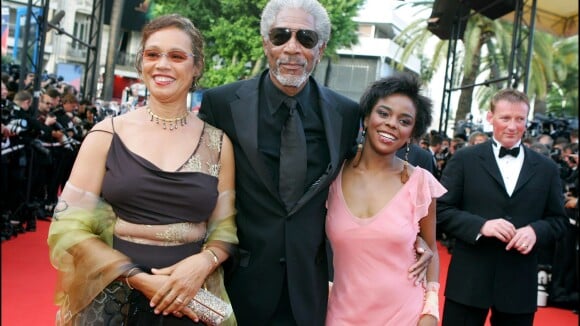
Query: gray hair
<point x="313" y="7"/>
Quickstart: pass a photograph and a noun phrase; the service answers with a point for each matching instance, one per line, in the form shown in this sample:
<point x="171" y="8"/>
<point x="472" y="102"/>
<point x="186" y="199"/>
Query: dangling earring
<point x="359" y="148"/>
<point x="361" y="141"/>
<point x="405" y="172"/>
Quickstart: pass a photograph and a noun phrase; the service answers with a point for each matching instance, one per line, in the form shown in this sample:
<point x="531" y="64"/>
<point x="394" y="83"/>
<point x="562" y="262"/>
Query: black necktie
<point x="292" y="157"/>
<point x="513" y="152"/>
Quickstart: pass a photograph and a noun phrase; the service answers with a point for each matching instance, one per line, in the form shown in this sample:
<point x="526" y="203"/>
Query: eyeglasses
<point x="176" y="56"/>
<point x="281" y="35"/>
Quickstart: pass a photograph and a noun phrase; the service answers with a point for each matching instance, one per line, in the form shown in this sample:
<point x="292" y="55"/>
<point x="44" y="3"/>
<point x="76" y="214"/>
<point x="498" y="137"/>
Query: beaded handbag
<point x="210" y="309"/>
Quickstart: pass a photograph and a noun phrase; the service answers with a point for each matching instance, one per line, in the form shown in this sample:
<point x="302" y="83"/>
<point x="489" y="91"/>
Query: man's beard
<point x="290" y="80"/>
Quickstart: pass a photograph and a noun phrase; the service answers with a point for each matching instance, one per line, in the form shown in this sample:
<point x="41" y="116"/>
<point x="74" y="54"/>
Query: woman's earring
<point x="405" y="172"/>
<point x="361" y="140"/>
<point x="359" y="148"/>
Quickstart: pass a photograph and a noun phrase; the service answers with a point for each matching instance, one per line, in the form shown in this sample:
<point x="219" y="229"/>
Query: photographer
<point x="438" y="151"/>
<point x="41" y="187"/>
<point x="64" y="155"/>
<point x="19" y="147"/>
<point x="564" y="285"/>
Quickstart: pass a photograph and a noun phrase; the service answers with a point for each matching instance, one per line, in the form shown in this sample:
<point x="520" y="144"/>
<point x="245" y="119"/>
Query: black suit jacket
<point x="274" y="242"/>
<point x="482" y="273"/>
<point x="418" y="157"/>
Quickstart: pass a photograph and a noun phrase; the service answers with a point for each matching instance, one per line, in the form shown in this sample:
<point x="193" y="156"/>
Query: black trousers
<point x="283" y="315"/>
<point x="457" y="314"/>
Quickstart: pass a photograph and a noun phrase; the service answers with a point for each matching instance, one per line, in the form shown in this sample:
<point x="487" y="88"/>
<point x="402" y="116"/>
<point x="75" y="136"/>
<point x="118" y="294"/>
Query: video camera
<point x="550" y="125"/>
<point x="67" y="142"/>
<point x="17" y="126"/>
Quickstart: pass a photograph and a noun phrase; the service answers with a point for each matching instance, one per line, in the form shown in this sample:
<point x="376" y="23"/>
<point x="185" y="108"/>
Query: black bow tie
<point x="513" y="152"/>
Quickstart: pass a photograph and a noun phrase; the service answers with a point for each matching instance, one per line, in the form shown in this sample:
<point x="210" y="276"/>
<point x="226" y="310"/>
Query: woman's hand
<point x="148" y="284"/>
<point x="419" y="269"/>
<point x="184" y="280"/>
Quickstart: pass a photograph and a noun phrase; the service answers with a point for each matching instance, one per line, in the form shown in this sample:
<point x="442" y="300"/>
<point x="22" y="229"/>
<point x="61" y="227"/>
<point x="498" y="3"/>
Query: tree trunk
<point x="494" y="68"/>
<point x="258" y="66"/>
<point x="109" y="79"/>
<point x="540" y="106"/>
<point x="466" y="97"/>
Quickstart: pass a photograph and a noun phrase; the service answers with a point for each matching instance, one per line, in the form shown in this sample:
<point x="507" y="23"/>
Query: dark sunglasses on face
<point x="176" y="56"/>
<point x="281" y="35"/>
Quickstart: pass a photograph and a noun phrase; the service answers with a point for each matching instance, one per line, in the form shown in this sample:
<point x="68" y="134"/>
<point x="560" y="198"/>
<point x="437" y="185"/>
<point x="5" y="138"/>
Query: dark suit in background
<point x="418" y="157"/>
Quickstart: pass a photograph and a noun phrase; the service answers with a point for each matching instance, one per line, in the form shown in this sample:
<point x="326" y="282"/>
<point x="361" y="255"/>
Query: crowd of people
<point x="39" y="145"/>
<point x="279" y="185"/>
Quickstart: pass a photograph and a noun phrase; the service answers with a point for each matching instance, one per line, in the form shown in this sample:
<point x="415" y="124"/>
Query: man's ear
<point x="321" y="51"/>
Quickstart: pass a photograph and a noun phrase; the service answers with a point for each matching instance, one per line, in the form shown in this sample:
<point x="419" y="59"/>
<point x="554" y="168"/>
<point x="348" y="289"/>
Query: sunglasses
<point x="281" y="35"/>
<point x="176" y="56"/>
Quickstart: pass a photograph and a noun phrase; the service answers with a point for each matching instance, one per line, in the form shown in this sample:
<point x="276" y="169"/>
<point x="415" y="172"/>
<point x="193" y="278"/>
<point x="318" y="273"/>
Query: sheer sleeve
<point x="79" y="240"/>
<point x="221" y="227"/>
<point x="222" y="233"/>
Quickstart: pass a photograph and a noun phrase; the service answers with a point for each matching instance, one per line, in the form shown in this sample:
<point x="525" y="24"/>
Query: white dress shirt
<point x="509" y="166"/>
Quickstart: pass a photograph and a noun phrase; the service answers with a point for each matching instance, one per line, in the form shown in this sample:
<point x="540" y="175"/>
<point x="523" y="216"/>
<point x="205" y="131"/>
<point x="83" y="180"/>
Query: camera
<point x="556" y="154"/>
<point x="67" y="142"/>
<point x="6" y="114"/>
<point x="442" y="155"/>
<point x="37" y="145"/>
<point x="17" y="126"/>
<point x="571" y="188"/>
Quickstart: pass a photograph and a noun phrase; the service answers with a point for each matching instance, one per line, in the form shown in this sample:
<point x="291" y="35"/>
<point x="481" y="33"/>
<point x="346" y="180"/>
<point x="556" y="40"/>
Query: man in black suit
<point x="280" y="276"/>
<point x="503" y="201"/>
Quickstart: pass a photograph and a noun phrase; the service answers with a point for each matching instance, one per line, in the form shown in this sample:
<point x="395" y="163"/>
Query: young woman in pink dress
<point x="377" y="206"/>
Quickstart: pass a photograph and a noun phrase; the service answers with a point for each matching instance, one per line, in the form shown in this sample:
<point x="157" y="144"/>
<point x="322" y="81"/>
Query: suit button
<point x="282" y="260"/>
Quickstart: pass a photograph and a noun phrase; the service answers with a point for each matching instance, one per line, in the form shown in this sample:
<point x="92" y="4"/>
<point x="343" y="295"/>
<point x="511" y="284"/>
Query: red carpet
<point x="28" y="283"/>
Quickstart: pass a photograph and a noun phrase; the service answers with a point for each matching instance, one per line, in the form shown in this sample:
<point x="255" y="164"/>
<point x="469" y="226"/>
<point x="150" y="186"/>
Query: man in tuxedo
<point x="503" y="201"/>
<point x="280" y="276"/>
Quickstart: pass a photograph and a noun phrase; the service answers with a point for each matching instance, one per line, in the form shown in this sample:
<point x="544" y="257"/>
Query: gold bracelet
<point x="214" y="257"/>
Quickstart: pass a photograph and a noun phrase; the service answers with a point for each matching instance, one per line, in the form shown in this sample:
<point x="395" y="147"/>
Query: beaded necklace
<point x="173" y="122"/>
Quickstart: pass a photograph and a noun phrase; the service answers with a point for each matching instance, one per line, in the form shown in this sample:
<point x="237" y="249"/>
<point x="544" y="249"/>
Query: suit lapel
<point x="490" y="165"/>
<point x="528" y="169"/>
<point x="333" y="128"/>
<point x="245" y="114"/>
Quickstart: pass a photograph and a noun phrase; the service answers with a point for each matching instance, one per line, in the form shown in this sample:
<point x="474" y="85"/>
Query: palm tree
<point x="563" y="93"/>
<point x="483" y="53"/>
<point x="109" y="80"/>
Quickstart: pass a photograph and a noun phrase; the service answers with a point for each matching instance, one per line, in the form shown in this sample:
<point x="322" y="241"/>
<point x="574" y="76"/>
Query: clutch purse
<point x="210" y="309"/>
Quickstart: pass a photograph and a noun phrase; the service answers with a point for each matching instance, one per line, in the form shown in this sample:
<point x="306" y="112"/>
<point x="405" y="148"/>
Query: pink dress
<point x="372" y="256"/>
